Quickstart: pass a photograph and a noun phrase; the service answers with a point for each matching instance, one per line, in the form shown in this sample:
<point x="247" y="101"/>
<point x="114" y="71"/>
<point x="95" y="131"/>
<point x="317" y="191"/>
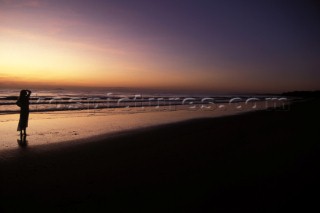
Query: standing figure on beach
<point x="23" y="103"/>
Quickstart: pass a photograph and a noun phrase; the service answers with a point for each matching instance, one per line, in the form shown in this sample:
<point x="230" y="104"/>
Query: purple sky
<point x="216" y="45"/>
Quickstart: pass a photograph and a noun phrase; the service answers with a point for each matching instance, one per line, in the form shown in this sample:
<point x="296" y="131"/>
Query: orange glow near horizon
<point x="44" y="51"/>
<point x="31" y="59"/>
<point x="61" y="44"/>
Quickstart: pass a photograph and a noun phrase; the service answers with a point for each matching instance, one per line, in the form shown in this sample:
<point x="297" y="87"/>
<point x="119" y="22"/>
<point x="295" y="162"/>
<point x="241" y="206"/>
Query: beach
<point x="260" y="161"/>
<point x="159" y="106"/>
<point x="51" y="127"/>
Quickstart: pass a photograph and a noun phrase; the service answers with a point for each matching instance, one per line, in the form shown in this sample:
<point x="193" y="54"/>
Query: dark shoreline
<point x="260" y="162"/>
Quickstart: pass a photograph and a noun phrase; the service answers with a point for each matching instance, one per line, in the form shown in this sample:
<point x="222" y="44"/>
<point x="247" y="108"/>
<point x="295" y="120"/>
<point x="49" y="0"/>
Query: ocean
<point x="67" y="100"/>
<point x="67" y="115"/>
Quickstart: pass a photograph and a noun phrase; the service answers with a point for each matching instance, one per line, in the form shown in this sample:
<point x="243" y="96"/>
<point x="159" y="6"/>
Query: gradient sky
<point x="216" y="45"/>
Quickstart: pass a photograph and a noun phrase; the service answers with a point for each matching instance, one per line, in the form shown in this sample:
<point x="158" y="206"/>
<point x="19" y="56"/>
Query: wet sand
<point x="265" y="161"/>
<point x="70" y="126"/>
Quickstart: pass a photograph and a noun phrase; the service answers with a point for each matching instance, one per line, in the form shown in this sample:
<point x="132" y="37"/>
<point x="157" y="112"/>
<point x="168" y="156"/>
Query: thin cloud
<point x="33" y="3"/>
<point x="60" y="42"/>
<point x="23" y="4"/>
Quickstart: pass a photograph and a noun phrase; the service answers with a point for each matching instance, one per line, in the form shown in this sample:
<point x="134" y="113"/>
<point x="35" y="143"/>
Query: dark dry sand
<point x="256" y="162"/>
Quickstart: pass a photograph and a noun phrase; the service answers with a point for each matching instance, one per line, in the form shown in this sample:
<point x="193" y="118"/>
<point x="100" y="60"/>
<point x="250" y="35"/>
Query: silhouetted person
<point x="23" y="103"/>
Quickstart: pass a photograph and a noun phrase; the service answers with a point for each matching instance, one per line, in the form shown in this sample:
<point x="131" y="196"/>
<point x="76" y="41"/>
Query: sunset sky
<point x="216" y="45"/>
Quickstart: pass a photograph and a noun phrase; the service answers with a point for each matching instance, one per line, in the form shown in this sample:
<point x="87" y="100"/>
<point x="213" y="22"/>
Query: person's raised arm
<point x="29" y="93"/>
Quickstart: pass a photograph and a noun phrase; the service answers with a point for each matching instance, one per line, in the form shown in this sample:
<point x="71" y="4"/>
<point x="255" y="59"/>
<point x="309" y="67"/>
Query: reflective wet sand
<point x="57" y="127"/>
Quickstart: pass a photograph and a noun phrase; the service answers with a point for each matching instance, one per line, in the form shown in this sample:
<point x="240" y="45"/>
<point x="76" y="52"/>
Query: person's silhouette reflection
<point x="22" y="142"/>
